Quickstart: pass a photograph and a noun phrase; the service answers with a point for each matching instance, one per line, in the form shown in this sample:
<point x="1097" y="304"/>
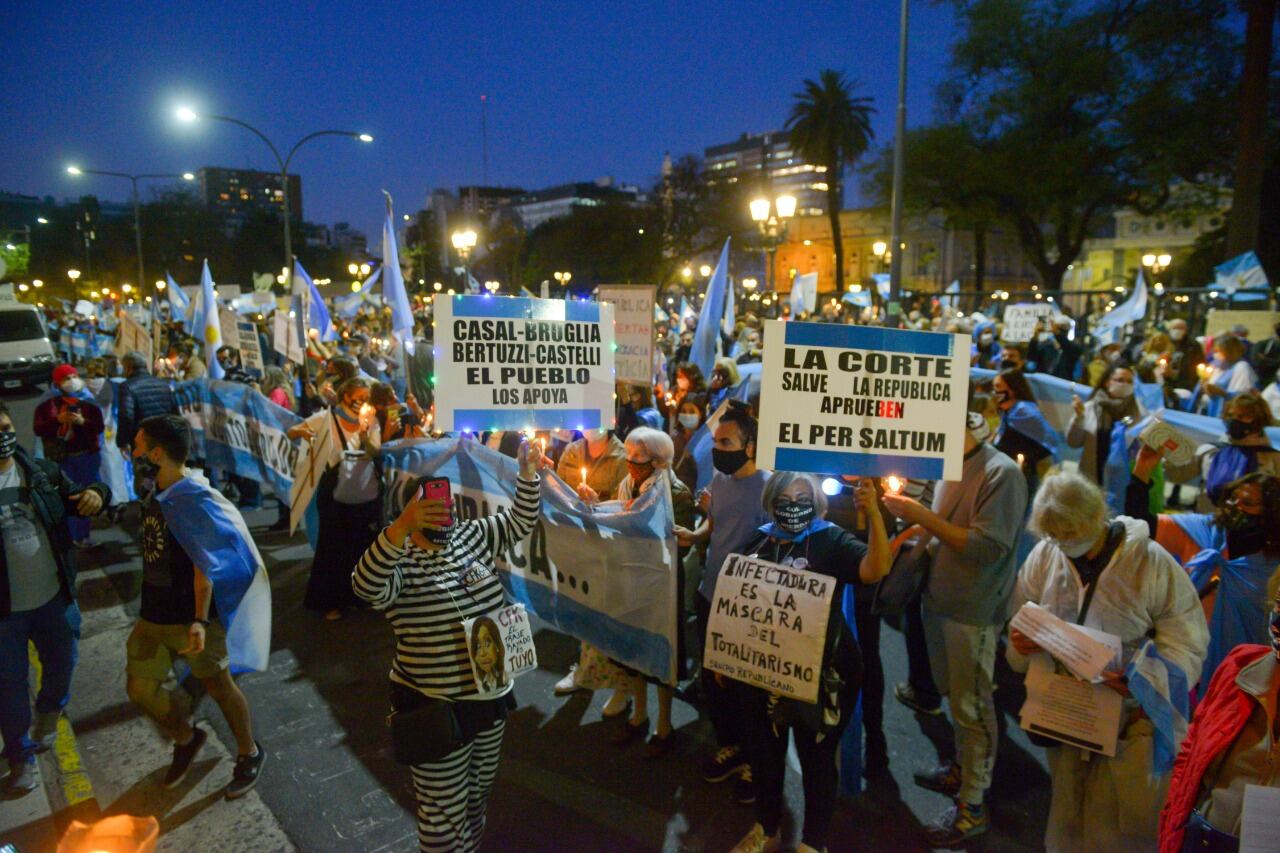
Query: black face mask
<point x="1010" y="364"/>
<point x="639" y="471"/>
<point x="439" y="537"/>
<point x="793" y="516"/>
<point x="8" y="444"/>
<point x="145" y="468"/>
<point x="728" y="461"/>
<point x="1238" y="429"/>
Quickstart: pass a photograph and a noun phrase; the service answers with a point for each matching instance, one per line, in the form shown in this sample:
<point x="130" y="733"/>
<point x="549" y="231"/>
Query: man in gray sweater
<point x="975" y="532"/>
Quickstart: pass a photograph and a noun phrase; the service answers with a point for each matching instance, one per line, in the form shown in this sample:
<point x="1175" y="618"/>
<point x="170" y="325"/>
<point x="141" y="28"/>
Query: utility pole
<point x="899" y="165"/>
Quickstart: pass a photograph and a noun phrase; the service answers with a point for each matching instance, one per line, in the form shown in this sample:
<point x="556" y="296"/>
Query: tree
<point x="1250" y="166"/>
<point x="831" y="128"/>
<point x="599" y="245"/>
<point x="1077" y="109"/>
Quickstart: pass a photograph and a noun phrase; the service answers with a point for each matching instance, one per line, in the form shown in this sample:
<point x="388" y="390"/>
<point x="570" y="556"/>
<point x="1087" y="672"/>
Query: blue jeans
<point x="83" y="469"/>
<point x="54" y="628"/>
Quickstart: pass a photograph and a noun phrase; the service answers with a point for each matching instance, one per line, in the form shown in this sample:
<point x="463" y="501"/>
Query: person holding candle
<point x="1231" y="375"/>
<point x="1023" y="429"/>
<point x="345" y="437"/>
<point x="1244" y="449"/>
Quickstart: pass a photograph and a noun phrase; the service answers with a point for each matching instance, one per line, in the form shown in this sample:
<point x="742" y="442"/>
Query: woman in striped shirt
<point x="429" y="574"/>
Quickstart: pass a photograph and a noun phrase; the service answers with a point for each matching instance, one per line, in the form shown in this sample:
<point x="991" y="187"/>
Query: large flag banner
<point x="235" y="428"/>
<point x="1020" y="320"/>
<point x="1240" y="273"/>
<point x="863" y="400"/>
<point x="506" y="362"/>
<point x="633" y="306"/>
<point x="179" y="304"/>
<point x="607" y="578"/>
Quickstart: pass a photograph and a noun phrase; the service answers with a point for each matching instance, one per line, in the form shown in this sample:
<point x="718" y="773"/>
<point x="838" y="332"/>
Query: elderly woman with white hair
<point x="1108" y="575"/>
<point x="799" y="536"/>
<point x="650" y="454"/>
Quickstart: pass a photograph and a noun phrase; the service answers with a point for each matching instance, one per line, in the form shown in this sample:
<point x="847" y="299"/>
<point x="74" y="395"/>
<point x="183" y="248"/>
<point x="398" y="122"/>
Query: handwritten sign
<point x="500" y="647"/>
<point x="513" y="363"/>
<point x="768" y="626"/>
<point x="284" y="339"/>
<point x="132" y="337"/>
<point x="633" y="306"/>
<point x="863" y="400"/>
<point x="1020" y="321"/>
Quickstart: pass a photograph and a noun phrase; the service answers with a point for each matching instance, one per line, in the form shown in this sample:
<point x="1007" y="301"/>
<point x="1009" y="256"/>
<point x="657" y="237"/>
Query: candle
<point x="1202" y="370"/>
<point x="584" y="475"/>
<point x="1019" y="461"/>
<point x="893" y="484"/>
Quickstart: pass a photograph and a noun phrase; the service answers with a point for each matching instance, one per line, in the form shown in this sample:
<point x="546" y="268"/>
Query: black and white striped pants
<point x="453" y="793"/>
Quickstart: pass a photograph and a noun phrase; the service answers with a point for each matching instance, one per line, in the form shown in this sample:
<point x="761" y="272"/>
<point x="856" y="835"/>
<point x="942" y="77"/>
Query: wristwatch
<point x="204" y="622"/>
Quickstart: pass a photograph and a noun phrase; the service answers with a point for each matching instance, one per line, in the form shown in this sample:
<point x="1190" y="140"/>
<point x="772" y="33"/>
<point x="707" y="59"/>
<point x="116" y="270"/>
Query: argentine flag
<point x="706" y="338"/>
<point x="213" y="533"/>
<point x="393" y="293"/>
<point x="1240" y="273"/>
<point x="204" y="320"/>
<point x="318" y="315"/>
<point x="179" y="304"/>
<point x="1161" y="688"/>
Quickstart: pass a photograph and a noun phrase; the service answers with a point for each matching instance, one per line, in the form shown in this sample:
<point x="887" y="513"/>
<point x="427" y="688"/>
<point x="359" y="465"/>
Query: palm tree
<point x="830" y="127"/>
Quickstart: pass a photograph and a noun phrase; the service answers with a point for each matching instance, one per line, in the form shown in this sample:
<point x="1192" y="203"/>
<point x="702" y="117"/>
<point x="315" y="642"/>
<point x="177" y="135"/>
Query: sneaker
<point x="727" y="762"/>
<point x="958" y="824"/>
<point x="45" y="730"/>
<point x="245" y="776"/>
<point x="907" y="695"/>
<point x="945" y="779"/>
<point x="568" y="684"/>
<point x="23" y="778"/>
<point x="183" y="755"/>
<point x="744" y="790"/>
<point x="756" y="841"/>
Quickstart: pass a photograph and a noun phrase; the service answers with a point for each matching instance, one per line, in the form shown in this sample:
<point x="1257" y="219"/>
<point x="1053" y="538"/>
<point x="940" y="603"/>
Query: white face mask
<point x="985" y="338"/>
<point x="1078" y="547"/>
<point x="72" y="385"/>
<point x="96" y="383"/>
<point x="1176" y="335"/>
<point x="688" y="420"/>
<point x="1120" y="390"/>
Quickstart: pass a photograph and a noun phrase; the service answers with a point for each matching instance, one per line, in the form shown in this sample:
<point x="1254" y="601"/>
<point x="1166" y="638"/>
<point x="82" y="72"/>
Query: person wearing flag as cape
<point x="205" y="598"/>
<point x="1108" y="575"/>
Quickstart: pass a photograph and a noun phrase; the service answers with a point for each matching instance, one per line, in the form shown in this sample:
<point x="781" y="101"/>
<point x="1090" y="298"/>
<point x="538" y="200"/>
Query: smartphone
<point x="437" y="488"/>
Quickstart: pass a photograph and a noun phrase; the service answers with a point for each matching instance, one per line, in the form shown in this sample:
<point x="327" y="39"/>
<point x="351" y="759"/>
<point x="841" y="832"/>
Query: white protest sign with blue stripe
<point x="606" y="578"/>
<point x="512" y="363"/>
<point x="863" y="400"/>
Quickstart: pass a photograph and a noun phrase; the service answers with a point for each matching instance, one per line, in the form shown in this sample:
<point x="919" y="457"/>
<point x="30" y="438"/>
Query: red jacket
<point x="82" y="438"/>
<point x="1218" y="719"/>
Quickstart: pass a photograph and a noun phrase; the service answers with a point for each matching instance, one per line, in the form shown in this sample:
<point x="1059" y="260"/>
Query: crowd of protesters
<point x="1100" y="543"/>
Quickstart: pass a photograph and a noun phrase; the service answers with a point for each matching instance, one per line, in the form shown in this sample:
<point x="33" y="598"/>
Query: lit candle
<point x="1202" y="370"/>
<point x="892" y="484"/>
<point x="584" y="475"/>
<point x="1020" y="461"/>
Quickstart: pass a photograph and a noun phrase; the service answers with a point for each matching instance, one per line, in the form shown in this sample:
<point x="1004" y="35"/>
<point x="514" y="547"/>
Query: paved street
<point x="330" y="782"/>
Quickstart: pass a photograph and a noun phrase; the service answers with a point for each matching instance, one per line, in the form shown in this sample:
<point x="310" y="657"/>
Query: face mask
<point x="1120" y="390"/>
<point x="682" y="383"/>
<point x="1003" y="397"/>
<point x="595" y="434"/>
<point x="96" y="383"/>
<point x="1010" y="364"/>
<point x="1176" y="335"/>
<point x="985" y="339"/>
<point x="145" y="468"/>
<point x="728" y="461"/>
<point x="1237" y="520"/>
<point x="978" y="427"/>
<point x="793" y="516"/>
<point x="1238" y="429"/>
<point x="1078" y="547"/>
<point x="639" y="471"/>
<point x="688" y="420"/>
<point x="439" y="537"/>
<point x="71" y="386"/>
<point x="1113" y="356"/>
<point x="8" y="444"/>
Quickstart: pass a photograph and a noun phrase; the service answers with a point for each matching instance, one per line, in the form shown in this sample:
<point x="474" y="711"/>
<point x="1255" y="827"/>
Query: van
<point x="26" y="355"/>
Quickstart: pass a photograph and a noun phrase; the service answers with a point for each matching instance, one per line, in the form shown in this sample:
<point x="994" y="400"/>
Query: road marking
<point x="73" y="779"/>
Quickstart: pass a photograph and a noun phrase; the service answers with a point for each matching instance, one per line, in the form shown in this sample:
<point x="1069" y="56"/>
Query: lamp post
<point x="74" y="275"/>
<point x="463" y="243"/>
<point x="562" y="278"/>
<point x="77" y="171"/>
<point x="189" y="115"/>
<point x="770" y="216"/>
<point x="899" y="163"/>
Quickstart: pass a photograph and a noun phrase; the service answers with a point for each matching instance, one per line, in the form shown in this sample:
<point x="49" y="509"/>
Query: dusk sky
<point x="576" y="90"/>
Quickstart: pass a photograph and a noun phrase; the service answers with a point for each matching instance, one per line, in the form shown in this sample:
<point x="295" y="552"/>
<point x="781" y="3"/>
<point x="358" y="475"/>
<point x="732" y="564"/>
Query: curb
<point x="72" y="798"/>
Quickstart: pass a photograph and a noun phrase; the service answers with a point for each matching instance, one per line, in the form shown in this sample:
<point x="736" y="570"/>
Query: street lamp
<point x="187" y="114"/>
<point x="705" y="270"/>
<point x="770" y="216"/>
<point x="354" y="269"/>
<point x="1157" y="263"/>
<point x="749" y="284"/>
<point x="77" y="171"/>
<point x="492" y="286"/>
<point x="463" y="243"/>
<point x="562" y="278"/>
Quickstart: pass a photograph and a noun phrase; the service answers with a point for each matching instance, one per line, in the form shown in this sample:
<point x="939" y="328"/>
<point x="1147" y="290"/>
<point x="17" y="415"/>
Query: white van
<point x="26" y="356"/>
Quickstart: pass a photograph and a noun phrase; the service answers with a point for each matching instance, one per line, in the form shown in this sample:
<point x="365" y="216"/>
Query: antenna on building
<point x="484" y="136"/>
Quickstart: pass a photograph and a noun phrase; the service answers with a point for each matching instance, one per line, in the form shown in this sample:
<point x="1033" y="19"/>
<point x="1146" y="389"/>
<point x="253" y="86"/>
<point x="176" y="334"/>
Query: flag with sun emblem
<point x="206" y="326"/>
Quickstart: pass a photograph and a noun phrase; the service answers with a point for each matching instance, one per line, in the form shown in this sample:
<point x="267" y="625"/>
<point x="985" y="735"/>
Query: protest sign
<point x="132" y="337"/>
<point x="606" y="578"/>
<point x="863" y="400"/>
<point x="510" y="363"/>
<point x="633" y="306"/>
<point x="1020" y="320"/>
<point x="500" y="647"/>
<point x="284" y="339"/>
<point x="246" y="340"/>
<point x="1259" y="323"/>
<point x="235" y="428"/>
<point x="768" y="626"/>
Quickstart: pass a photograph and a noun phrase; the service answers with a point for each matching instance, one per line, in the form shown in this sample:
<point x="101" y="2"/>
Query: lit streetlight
<point x="463" y="242"/>
<point x="77" y="171"/>
<point x="187" y="114"/>
<point x="492" y="286"/>
<point x="563" y="279"/>
<point x="770" y="216"/>
<point x="705" y="270"/>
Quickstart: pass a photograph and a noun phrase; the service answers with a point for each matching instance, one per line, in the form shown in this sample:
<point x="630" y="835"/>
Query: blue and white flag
<point x="706" y="338"/>
<point x="804" y="293"/>
<point x="207" y="328"/>
<point x="860" y="298"/>
<point x="730" y="313"/>
<point x="1161" y="688"/>
<point x="1110" y="326"/>
<point x="213" y="534"/>
<point x="318" y="314"/>
<point x="393" y="292"/>
<point x="348" y="306"/>
<point x="606" y="578"/>
<point x="686" y="312"/>
<point x="952" y="300"/>
<point x="179" y="304"/>
<point x="1240" y="273"/>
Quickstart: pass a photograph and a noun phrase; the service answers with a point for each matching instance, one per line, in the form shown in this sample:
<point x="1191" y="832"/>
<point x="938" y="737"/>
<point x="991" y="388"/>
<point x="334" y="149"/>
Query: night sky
<point x="576" y="90"/>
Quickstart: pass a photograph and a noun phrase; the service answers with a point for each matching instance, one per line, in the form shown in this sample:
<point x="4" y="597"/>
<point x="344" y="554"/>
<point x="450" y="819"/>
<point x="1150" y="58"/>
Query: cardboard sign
<point x="1259" y="323"/>
<point x="768" y="626"/>
<point x="132" y="337"/>
<point x="514" y="363"/>
<point x="500" y="647"/>
<point x="284" y="339"/>
<point x="250" y="350"/>
<point x="863" y="400"/>
<point x="633" y="306"/>
<point x="1020" y="320"/>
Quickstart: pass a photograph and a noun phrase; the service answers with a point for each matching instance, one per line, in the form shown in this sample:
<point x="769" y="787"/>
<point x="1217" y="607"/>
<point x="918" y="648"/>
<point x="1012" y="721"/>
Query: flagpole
<point x="899" y="158"/>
